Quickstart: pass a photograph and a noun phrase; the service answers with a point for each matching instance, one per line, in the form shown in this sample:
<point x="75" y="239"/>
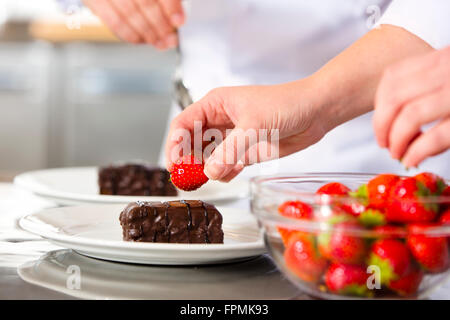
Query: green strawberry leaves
<point x="423" y="192"/>
<point x="372" y="218"/>
<point x="356" y="290"/>
<point x="441" y="186"/>
<point x="387" y="273"/>
<point x="361" y="194"/>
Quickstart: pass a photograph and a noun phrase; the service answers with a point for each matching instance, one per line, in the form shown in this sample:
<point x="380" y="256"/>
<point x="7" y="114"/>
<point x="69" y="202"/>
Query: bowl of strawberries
<point x="357" y="236"/>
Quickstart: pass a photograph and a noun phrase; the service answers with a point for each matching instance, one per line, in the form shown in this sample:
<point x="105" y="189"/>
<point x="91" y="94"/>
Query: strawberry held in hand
<point x="347" y="280"/>
<point x="187" y="173"/>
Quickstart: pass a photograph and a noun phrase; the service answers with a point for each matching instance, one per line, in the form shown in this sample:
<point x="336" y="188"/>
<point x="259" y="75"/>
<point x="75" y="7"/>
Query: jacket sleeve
<point x="428" y="19"/>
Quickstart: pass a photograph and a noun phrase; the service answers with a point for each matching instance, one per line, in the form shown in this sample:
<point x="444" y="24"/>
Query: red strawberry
<point x="302" y="258"/>
<point x="446" y="192"/>
<point x="347" y="279"/>
<point x="431" y="252"/>
<point x="338" y="189"/>
<point x="445" y="220"/>
<point x="187" y="173"/>
<point x="323" y="239"/>
<point x="379" y="188"/>
<point x="409" y="283"/>
<point x="390" y="231"/>
<point x="445" y="217"/>
<point x="295" y="210"/>
<point x="354" y="207"/>
<point x="405" y="205"/>
<point x="334" y="189"/>
<point x="446" y="195"/>
<point x="341" y="246"/>
<point x="392" y="257"/>
<point x="433" y="182"/>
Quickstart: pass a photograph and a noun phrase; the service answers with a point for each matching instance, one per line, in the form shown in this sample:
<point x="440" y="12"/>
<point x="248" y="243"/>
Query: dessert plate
<point x="78" y="185"/>
<point x="95" y="231"/>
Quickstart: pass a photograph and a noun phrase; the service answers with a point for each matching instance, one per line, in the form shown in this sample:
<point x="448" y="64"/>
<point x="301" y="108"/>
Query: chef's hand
<point x="411" y="94"/>
<point x="250" y="108"/>
<point x="141" y="21"/>
<point x="302" y="111"/>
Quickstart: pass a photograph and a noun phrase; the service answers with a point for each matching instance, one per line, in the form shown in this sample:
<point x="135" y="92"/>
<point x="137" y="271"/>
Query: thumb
<point x="229" y="152"/>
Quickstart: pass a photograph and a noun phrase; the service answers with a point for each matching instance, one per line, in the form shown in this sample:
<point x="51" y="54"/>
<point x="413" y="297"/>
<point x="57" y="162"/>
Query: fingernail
<point x="172" y="40"/>
<point x="213" y="169"/>
<point x="177" y="19"/>
<point x="239" y="165"/>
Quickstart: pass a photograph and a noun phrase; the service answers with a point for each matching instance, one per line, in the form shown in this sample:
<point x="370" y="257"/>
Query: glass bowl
<point x="332" y="255"/>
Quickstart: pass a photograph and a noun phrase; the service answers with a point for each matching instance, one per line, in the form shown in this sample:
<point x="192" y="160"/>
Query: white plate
<point x="71" y="186"/>
<point x="95" y="231"/>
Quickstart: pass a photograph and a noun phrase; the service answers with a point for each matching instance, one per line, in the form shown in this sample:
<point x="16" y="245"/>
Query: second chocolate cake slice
<point x="135" y="180"/>
<point x="190" y="221"/>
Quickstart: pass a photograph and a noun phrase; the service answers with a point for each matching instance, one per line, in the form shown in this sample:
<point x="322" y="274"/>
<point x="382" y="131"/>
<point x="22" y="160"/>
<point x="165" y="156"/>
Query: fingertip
<point x="379" y="136"/>
<point x="177" y="20"/>
<point x="234" y="172"/>
<point x="214" y="171"/>
<point x="381" y="143"/>
<point x="408" y="164"/>
<point x="169" y="165"/>
<point x="171" y="40"/>
<point x="412" y="159"/>
<point x="160" y="45"/>
<point x="395" y="156"/>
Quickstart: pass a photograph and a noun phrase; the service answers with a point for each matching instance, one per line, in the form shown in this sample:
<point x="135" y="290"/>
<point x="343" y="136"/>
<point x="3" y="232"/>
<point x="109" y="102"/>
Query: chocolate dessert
<point x="135" y="180"/>
<point x="185" y="221"/>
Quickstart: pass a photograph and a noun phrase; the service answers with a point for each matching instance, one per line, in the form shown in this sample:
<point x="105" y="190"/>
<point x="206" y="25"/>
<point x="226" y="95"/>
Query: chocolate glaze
<point x="185" y="221"/>
<point x="135" y="180"/>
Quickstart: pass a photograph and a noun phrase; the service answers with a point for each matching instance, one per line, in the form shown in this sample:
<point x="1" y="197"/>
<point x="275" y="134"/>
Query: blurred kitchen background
<point x="71" y="94"/>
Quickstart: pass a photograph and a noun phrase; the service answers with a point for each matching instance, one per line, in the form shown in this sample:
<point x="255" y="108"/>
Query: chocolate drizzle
<point x="154" y="217"/>
<point x="189" y="226"/>
<point x="166" y="217"/>
<point x="205" y="213"/>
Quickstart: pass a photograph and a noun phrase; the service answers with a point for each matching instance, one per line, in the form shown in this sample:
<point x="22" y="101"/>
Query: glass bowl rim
<point x="257" y="181"/>
<point x="321" y="226"/>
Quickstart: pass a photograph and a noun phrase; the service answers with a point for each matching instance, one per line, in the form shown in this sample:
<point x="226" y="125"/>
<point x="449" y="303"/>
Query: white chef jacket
<point x="240" y="42"/>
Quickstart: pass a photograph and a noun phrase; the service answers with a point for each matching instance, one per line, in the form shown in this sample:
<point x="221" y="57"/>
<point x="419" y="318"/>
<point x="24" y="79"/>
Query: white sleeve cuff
<point x="429" y="20"/>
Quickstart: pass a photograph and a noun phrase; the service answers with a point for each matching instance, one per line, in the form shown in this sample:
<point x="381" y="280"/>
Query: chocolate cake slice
<point x="185" y="221"/>
<point x="135" y="180"/>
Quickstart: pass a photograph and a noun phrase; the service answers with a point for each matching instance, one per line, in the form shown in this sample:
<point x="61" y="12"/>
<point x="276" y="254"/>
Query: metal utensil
<point x="181" y="92"/>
